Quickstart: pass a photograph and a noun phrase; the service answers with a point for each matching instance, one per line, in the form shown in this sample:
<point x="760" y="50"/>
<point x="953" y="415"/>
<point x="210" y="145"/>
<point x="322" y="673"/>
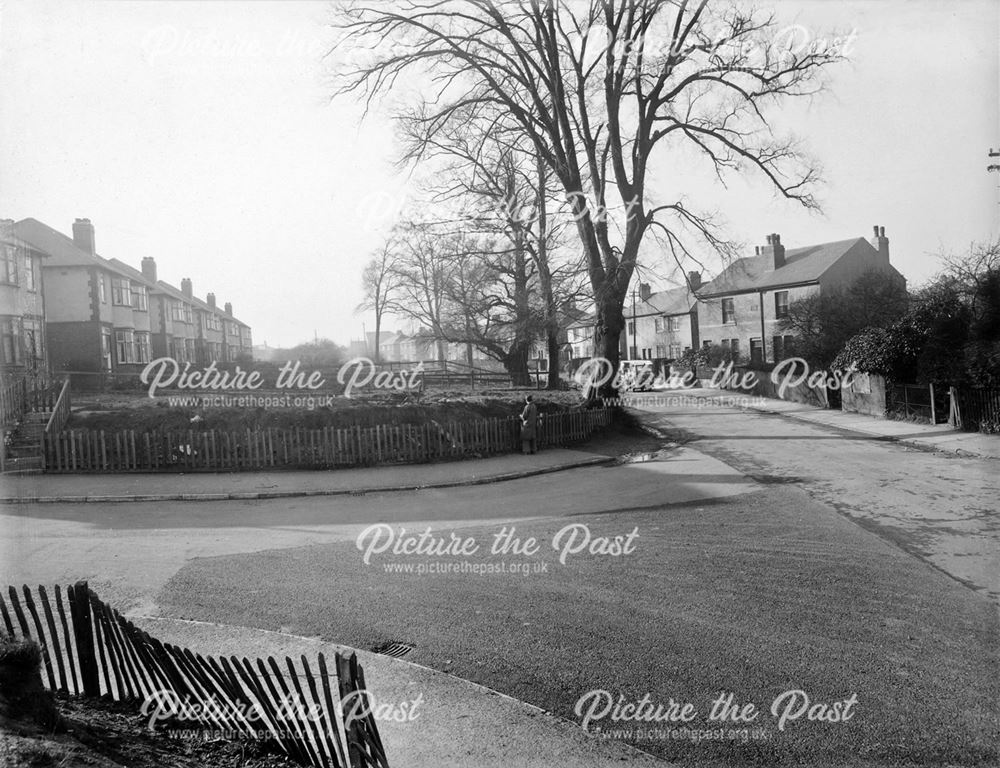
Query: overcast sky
<point x="203" y="134"/>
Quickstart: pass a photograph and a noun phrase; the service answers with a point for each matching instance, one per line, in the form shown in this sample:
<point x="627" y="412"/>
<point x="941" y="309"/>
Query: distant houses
<point x="66" y="309"/>
<point x="742" y="308"/>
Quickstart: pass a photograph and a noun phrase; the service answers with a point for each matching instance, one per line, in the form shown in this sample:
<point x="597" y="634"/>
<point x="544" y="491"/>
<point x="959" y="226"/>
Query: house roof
<point x="8" y="235"/>
<point x="675" y="301"/>
<point x="802" y="265"/>
<point x="133" y="273"/>
<point x="62" y="251"/>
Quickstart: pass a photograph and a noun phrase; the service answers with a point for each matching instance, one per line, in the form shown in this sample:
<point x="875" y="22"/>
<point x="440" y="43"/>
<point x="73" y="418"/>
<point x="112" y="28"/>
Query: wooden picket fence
<point x="327" y="448"/>
<point x="975" y="408"/>
<point x="90" y="649"/>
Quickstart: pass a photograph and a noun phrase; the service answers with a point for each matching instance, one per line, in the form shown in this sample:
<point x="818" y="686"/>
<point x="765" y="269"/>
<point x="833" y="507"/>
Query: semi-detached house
<point x="104" y="316"/>
<point x="23" y="350"/>
<point x="742" y="308"/>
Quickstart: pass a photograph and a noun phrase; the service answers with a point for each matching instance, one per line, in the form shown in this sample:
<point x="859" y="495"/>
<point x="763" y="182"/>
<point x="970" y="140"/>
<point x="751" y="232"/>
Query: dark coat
<point x="529" y="421"/>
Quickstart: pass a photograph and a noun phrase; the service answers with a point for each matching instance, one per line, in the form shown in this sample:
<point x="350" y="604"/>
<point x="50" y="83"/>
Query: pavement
<point x="211" y="486"/>
<point x="461" y="723"/>
<point x="455" y="722"/>
<point x="933" y="437"/>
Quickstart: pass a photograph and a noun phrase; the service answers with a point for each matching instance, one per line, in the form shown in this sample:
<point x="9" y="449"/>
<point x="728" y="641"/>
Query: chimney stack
<point x="645" y="291"/>
<point x="186" y="288"/>
<point x="775" y="250"/>
<point x="694" y="279"/>
<point x="229" y="308"/>
<point x="83" y="236"/>
<point x="880" y="242"/>
<point x="149" y="268"/>
<point x="210" y="300"/>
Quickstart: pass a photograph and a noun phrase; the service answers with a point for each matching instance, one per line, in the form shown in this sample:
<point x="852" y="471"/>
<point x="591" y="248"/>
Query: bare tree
<point x="598" y="88"/>
<point x="380" y="280"/>
<point x="503" y="194"/>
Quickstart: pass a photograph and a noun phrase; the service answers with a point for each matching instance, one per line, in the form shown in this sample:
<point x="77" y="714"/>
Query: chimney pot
<point x="186" y="287"/>
<point x="694" y="279"/>
<point x="83" y="236"/>
<point x="210" y="300"/>
<point x="775" y="250"/>
<point x="149" y="268"/>
<point x="881" y="231"/>
<point x="644" y="291"/>
<point x="229" y="308"/>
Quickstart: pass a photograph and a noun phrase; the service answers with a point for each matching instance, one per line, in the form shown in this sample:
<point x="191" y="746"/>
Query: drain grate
<point x="396" y="650"/>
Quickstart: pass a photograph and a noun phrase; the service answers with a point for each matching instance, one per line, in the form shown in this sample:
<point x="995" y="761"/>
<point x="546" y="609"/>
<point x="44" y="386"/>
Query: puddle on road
<point x="642" y="458"/>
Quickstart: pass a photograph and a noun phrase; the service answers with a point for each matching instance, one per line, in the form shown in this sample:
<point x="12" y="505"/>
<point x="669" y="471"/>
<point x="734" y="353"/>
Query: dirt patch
<point x="106" y="734"/>
<point x="120" y="411"/>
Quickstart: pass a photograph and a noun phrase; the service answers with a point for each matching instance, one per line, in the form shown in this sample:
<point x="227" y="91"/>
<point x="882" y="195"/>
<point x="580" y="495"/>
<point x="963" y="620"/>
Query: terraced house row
<point x="66" y="309"/>
<point x="743" y="307"/>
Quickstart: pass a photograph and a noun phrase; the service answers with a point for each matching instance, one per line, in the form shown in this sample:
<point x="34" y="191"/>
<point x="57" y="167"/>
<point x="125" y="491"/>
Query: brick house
<point x="106" y="317"/>
<point x="661" y="325"/>
<point x="742" y="307"/>
<point x="96" y="320"/>
<point x="23" y="349"/>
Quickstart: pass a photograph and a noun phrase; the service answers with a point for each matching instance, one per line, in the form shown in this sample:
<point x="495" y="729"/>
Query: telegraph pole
<point x="634" y="352"/>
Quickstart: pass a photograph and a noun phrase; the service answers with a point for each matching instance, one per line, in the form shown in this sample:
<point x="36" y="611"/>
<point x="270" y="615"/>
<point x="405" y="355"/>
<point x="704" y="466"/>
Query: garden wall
<point x="865" y="394"/>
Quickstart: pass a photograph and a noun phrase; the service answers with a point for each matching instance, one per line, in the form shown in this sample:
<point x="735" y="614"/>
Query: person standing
<point x="529" y="426"/>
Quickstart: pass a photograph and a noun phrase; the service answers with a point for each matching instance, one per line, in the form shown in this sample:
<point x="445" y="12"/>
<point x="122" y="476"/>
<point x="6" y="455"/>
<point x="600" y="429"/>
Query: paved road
<point x="129" y="551"/>
<point x="752" y="576"/>
<point x="940" y="506"/>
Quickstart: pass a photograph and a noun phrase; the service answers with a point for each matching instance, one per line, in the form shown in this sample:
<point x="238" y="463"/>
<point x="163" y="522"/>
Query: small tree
<point x="379" y="280"/>
<point x="823" y="323"/>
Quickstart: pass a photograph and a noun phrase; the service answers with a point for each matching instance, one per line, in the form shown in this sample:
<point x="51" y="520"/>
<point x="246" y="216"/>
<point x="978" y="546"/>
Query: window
<point x="658" y="324"/>
<point x="706" y="344"/>
<point x="8" y="264"/>
<point x="660" y="350"/>
<point x="141" y="347"/>
<point x="10" y="338"/>
<point x="781" y="304"/>
<point x="189" y="350"/>
<point x="756" y="351"/>
<point x="121" y="292"/>
<point x="783" y="347"/>
<point x="728" y="311"/>
<point x="176" y="311"/>
<point x="674" y="324"/>
<point x="105" y="344"/>
<point x="139" y="300"/>
<point x="33" y="340"/>
<point x="675" y="351"/>
<point x="188" y="318"/>
<point x="177" y="350"/>
<point x="29" y="272"/>
<point x="124" y="347"/>
<point x="631" y="327"/>
<point x="734" y="347"/>
<point x="102" y="290"/>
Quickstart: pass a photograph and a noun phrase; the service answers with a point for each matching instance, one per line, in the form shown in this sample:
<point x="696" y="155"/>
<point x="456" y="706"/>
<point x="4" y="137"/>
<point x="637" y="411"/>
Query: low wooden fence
<point x="90" y="649"/>
<point x="328" y="448"/>
<point x="60" y="411"/>
<point x="19" y="395"/>
<point x="975" y="409"/>
<point x="13" y="396"/>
